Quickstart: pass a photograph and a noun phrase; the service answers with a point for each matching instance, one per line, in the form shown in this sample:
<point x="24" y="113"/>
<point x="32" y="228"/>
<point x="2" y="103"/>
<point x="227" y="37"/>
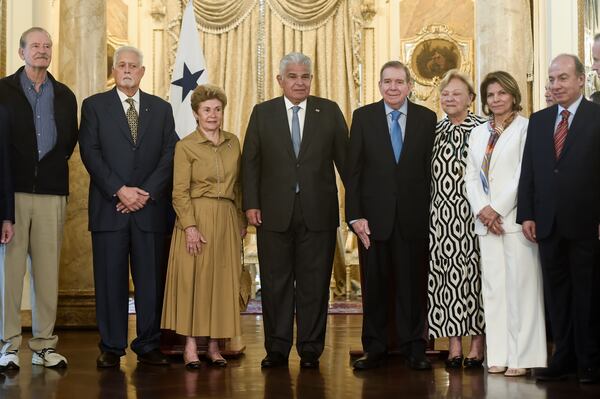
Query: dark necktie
<point x="132" y="119"/>
<point x="560" y="135"/>
<point x="296" y="130"/>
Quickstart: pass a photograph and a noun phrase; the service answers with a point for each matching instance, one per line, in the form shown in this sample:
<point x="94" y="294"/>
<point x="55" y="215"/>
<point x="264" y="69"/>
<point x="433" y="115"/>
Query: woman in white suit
<point x="510" y="269"/>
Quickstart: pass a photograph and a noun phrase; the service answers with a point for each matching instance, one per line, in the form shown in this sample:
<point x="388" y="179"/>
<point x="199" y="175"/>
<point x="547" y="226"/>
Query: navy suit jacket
<point x="381" y="190"/>
<point x="113" y="160"/>
<point x="562" y="194"/>
<point x="7" y="197"/>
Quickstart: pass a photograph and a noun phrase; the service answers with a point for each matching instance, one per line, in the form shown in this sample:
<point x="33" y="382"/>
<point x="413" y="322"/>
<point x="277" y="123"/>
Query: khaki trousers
<point x="39" y="221"/>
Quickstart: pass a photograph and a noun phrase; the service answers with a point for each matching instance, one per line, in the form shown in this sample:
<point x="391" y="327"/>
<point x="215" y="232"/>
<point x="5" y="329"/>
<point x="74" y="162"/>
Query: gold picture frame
<point x="435" y="50"/>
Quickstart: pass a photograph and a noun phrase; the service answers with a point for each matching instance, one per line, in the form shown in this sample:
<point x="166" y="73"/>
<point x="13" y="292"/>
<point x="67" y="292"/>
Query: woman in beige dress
<point x="202" y="285"/>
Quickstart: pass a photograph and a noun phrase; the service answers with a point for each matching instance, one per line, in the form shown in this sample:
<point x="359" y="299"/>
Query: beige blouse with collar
<point x="204" y="169"/>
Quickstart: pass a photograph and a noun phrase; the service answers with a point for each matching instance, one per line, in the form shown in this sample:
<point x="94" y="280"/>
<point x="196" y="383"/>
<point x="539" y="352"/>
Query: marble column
<point x="82" y="67"/>
<point x="504" y="41"/>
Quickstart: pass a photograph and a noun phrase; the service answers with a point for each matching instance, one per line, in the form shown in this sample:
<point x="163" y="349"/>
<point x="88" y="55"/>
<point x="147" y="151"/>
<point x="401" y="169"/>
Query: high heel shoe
<point x="473" y="363"/>
<point x="217" y="362"/>
<point x="191" y="364"/>
<point x="454" y="363"/>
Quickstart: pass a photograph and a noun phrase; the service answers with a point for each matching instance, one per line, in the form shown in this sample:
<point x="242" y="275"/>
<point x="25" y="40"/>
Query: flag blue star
<point x="188" y="82"/>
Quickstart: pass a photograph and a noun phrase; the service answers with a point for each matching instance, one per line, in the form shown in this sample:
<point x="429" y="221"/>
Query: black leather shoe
<point x="473" y="363"/>
<point x="418" y="362"/>
<point x="309" y="364"/>
<point x="589" y="376"/>
<point x="193" y="365"/>
<point x="154" y="357"/>
<point x="550" y="374"/>
<point x="454" y="363"/>
<point x="369" y="361"/>
<point x="273" y="360"/>
<point x="309" y="360"/>
<point x="108" y="359"/>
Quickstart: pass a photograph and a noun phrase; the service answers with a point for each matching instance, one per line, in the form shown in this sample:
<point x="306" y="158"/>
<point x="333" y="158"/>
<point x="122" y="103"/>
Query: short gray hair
<point x="128" y="49"/>
<point x="23" y="39"/>
<point x="397" y="65"/>
<point x="294" y="58"/>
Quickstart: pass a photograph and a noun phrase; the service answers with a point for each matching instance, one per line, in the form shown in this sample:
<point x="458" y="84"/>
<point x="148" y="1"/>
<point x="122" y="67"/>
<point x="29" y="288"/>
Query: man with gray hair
<point x="559" y="207"/>
<point x="42" y="133"/>
<point x="290" y="195"/>
<point x="127" y="142"/>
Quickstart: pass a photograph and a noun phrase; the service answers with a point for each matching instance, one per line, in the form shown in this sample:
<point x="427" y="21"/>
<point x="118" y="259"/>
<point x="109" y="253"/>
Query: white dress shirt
<point x="136" y="101"/>
<point x="290" y="114"/>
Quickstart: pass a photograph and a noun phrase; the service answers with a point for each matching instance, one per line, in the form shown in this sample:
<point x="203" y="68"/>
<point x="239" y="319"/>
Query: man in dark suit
<point x="127" y="141"/>
<point x="559" y="207"/>
<point x="387" y="206"/>
<point x="7" y="195"/>
<point x="290" y="195"/>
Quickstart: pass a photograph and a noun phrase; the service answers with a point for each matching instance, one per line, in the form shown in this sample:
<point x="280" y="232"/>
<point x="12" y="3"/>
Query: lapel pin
<point x="317" y="110"/>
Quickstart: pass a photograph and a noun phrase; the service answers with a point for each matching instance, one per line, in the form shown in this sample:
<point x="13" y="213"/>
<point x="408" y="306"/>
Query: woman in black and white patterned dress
<point x="454" y="287"/>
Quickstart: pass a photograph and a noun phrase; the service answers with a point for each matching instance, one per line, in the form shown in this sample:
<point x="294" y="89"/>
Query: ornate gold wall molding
<point x="430" y="54"/>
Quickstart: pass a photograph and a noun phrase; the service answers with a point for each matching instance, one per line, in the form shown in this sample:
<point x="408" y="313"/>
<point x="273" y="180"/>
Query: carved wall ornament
<point x="434" y="51"/>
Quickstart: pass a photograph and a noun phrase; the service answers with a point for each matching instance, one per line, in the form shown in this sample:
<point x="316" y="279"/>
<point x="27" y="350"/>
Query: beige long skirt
<point x="202" y="292"/>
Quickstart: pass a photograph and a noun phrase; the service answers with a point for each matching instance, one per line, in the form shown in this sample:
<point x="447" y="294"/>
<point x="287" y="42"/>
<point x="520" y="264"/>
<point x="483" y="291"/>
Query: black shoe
<point x="309" y="360"/>
<point x="108" y="359"/>
<point x="154" y="357"/>
<point x="550" y="374"/>
<point x="217" y="362"/>
<point x="369" y="361"/>
<point x="418" y="362"/>
<point x="454" y="363"/>
<point x="193" y="365"/>
<point x="473" y="363"/>
<point x="589" y="376"/>
<point x="273" y="360"/>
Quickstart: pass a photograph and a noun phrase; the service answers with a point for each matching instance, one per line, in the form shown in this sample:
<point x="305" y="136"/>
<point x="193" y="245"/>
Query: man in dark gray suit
<point x="559" y="207"/>
<point x="290" y="195"/>
<point x="127" y="141"/>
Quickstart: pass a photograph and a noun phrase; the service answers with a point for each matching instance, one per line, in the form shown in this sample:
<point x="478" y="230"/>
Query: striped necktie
<point x="560" y="135"/>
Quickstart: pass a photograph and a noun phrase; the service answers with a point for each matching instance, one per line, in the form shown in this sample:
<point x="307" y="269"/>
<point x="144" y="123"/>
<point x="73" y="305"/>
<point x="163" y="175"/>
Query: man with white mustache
<point x="42" y="132"/>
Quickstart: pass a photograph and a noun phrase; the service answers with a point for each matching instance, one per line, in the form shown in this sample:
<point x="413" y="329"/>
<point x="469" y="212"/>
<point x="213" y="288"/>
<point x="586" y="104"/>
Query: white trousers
<point x="512" y="301"/>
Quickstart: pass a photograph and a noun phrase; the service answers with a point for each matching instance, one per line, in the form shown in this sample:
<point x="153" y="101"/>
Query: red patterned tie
<point x="560" y="135"/>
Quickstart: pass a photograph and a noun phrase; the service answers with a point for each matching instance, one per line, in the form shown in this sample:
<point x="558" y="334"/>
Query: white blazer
<point x="503" y="176"/>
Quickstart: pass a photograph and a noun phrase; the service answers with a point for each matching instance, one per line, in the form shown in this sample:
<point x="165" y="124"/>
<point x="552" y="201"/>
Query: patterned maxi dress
<point x="455" y="305"/>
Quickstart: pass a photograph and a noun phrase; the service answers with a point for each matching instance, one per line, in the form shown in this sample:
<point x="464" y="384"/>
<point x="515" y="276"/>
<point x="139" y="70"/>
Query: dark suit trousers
<point x="571" y="272"/>
<point x="394" y="272"/>
<point x="113" y="251"/>
<point x="295" y="271"/>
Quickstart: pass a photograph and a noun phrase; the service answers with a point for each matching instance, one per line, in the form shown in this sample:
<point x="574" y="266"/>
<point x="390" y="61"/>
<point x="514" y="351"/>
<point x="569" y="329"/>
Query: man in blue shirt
<point x="42" y="130"/>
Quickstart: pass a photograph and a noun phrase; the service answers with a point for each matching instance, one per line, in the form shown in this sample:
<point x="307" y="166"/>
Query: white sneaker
<point x="48" y="357"/>
<point x="9" y="360"/>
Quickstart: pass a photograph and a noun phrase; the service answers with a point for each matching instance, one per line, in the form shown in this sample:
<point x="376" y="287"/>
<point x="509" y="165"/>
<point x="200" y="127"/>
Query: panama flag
<point x="188" y="73"/>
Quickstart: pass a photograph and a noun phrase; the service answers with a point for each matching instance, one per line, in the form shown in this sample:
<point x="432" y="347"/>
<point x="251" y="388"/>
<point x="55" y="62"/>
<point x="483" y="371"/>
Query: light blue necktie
<point x="396" y="134"/>
<point x="296" y="130"/>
